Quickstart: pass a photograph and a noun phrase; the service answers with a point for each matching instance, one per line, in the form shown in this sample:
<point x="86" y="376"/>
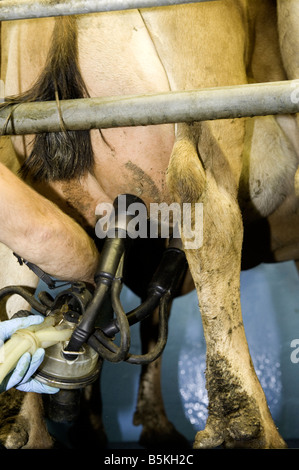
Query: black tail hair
<point x="67" y="154"/>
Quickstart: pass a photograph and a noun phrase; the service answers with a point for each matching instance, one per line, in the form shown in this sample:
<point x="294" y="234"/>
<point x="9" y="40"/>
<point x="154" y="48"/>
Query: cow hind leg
<point x="238" y="412"/>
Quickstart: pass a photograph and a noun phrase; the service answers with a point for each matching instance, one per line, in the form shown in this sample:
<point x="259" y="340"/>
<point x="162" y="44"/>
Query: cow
<point x="233" y="167"/>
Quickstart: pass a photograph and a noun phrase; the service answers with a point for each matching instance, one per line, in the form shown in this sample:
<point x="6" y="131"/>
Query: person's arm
<point x="38" y="231"/>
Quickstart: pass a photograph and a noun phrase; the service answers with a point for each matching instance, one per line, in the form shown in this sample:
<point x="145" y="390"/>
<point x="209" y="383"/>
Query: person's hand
<point x="20" y="377"/>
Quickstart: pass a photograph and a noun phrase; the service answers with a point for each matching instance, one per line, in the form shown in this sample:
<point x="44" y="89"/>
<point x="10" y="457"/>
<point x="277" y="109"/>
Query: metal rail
<point x="172" y="107"/>
<point x="25" y="9"/>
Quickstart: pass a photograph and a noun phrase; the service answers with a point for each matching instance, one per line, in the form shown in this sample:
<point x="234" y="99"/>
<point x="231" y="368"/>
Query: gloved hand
<point x="20" y="377"/>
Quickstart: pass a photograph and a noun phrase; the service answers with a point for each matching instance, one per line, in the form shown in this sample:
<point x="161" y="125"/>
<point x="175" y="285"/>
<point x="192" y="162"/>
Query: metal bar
<point x="25" y="9"/>
<point x="122" y="111"/>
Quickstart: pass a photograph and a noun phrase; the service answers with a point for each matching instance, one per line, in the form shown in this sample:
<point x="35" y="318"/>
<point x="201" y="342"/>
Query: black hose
<point x="162" y="287"/>
<point x="27" y="295"/>
<point x="122" y="320"/>
<point x="167" y="278"/>
<point x="103" y="345"/>
<point x="85" y="328"/>
<point x="136" y="315"/>
<point x="108" y="350"/>
<point x="117" y="243"/>
<point x="162" y="336"/>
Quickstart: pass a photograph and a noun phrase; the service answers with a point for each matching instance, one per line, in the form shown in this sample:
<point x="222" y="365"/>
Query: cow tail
<point x="67" y="154"/>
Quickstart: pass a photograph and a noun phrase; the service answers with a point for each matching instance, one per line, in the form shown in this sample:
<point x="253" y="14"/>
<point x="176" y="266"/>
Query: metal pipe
<point x="25" y="9"/>
<point x="121" y="111"/>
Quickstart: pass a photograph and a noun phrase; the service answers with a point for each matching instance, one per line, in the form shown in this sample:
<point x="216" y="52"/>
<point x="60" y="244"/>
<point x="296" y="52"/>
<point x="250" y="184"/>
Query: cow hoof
<point x="227" y="433"/>
<point x="237" y="418"/>
<point x="13" y="426"/>
<point x="243" y="428"/>
<point x="163" y="437"/>
<point x="17" y="435"/>
<point x="237" y="435"/>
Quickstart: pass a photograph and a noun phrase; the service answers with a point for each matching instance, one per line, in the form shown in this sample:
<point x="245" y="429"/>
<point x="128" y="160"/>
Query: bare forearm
<point x="63" y="249"/>
<point x="40" y="232"/>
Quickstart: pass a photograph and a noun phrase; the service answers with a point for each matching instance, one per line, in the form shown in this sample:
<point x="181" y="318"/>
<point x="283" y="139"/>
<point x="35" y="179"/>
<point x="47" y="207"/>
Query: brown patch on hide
<point x="78" y="203"/>
<point x="142" y="182"/>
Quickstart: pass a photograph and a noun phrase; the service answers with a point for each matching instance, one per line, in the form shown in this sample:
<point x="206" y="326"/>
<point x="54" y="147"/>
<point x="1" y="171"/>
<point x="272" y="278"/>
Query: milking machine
<point x="99" y="327"/>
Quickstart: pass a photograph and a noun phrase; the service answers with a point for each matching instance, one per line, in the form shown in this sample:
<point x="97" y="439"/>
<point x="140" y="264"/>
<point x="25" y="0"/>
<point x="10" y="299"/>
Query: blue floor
<point x="270" y="303"/>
